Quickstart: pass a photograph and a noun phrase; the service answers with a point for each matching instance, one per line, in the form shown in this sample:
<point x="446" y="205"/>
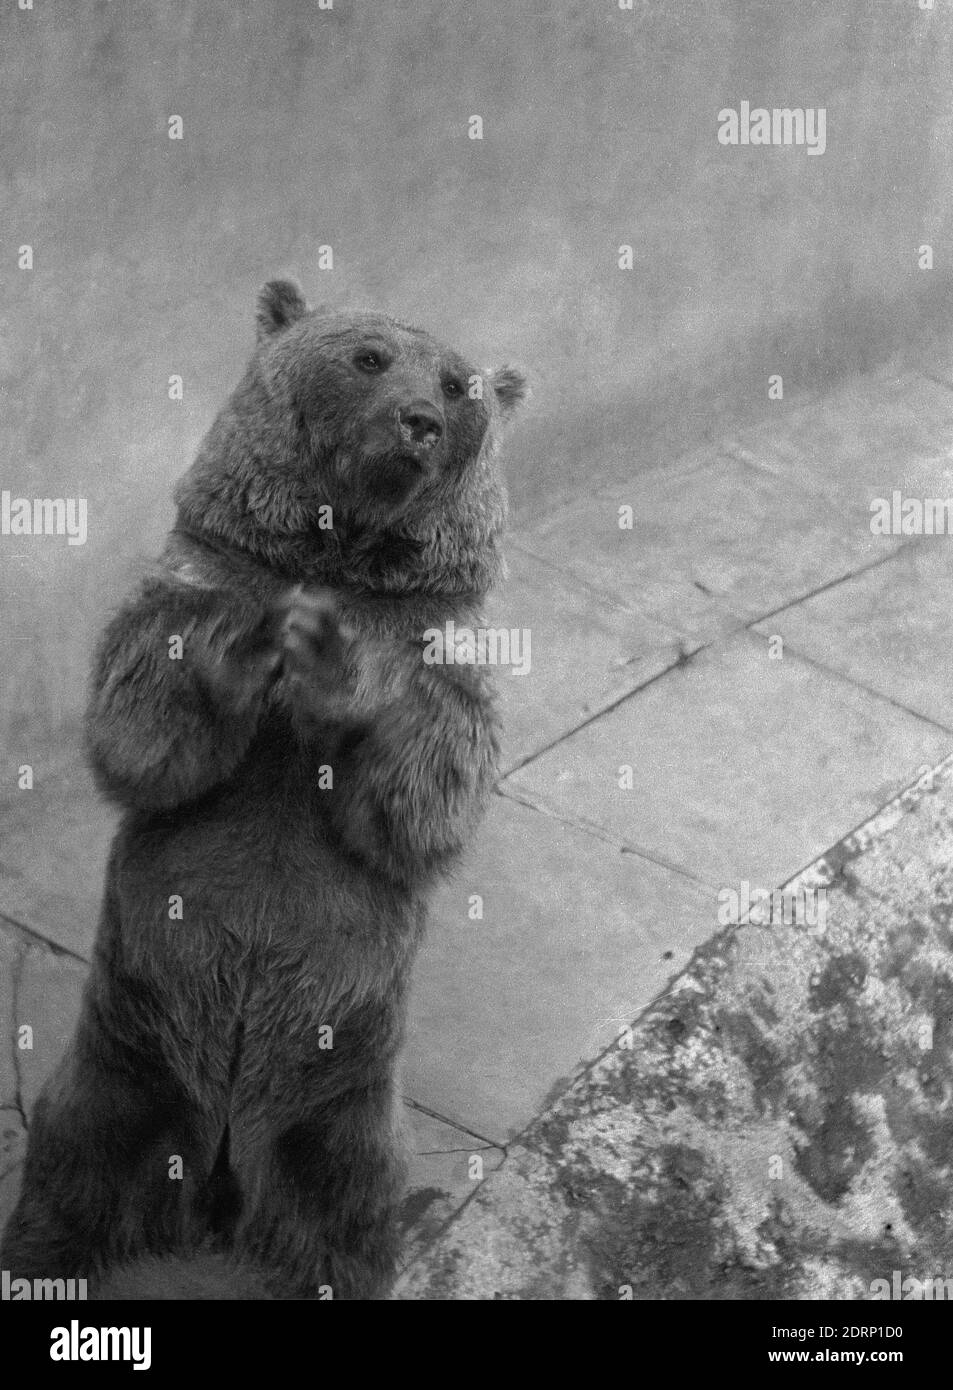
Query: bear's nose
<point x="421" y="423"/>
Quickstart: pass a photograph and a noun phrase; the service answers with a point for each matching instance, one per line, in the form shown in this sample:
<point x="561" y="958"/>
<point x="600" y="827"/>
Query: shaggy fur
<point x="302" y="904"/>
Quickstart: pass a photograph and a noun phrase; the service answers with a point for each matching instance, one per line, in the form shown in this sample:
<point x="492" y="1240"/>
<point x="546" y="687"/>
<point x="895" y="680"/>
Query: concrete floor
<point x="656" y="755"/>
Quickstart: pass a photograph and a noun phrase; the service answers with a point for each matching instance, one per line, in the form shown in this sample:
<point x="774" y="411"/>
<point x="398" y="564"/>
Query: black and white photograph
<point x="476" y="666"/>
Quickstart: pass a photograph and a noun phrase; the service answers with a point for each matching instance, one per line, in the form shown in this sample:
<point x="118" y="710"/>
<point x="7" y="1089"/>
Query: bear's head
<point x="356" y="450"/>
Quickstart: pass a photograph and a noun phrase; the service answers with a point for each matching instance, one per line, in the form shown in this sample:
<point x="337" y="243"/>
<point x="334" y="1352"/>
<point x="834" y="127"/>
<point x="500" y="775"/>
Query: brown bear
<point x="294" y="777"/>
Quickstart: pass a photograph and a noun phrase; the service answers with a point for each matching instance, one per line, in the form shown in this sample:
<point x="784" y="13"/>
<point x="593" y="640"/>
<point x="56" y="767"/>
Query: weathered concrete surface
<point x="581" y="650"/>
<point x="722" y="543"/>
<point x="781" y="1125"/>
<point x="875" y="432"/>
<point x="887" y="628"/>
<point x="54" y="841"/>
<point x="742" y="766"/>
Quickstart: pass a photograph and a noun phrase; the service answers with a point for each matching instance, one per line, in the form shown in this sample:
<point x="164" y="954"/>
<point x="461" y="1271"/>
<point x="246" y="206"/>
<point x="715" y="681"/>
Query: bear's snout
<point x="420" y="425"/>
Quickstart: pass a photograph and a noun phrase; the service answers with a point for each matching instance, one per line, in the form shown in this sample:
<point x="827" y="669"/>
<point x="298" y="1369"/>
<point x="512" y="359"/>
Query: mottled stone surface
<point x="778" y="1125"/>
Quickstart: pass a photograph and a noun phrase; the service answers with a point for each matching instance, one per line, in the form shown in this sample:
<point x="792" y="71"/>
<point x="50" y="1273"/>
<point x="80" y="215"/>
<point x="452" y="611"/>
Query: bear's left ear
<point x="510" y="386"/>
<point x="280" y="304"/>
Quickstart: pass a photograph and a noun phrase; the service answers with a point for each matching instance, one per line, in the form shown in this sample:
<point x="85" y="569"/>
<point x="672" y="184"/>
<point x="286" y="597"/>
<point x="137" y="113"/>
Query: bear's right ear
<point x="511" y="388"/>
<point x="280" y="304"/>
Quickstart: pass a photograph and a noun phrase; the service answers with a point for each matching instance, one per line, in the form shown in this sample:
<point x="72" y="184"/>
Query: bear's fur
<point x="203" y="1035"/>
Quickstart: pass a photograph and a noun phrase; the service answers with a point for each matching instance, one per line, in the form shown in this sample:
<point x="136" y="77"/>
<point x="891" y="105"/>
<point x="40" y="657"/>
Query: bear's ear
<point x="280" y="304"/>
<point x="511" y="388"/>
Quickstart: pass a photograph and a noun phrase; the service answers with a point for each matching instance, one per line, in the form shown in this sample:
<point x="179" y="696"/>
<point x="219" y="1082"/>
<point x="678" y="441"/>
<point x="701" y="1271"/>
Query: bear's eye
<point x="369" y="361"/>
<point x="452" y="387"/>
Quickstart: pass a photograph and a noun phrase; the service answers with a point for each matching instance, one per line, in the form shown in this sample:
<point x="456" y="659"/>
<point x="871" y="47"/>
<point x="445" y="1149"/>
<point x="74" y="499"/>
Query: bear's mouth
<point x="392" y="476"/>
<point x="412" y="455"/>
<point x="401" y="461"/>
<point x="412" y="458"/>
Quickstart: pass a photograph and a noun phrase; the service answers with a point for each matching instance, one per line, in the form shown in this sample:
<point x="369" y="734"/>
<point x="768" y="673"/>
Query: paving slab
<point x="574" y="936"/>
<point x="889" y="629"/>
<point x="48" y="993"/>
<point x="742" y="767"/>
<point x="586" y="649"/>
<point x="53" y="846"/>
<point x="710" y="550"/>
<point x="869" y="436"/>
<point x="779" y="1125"/>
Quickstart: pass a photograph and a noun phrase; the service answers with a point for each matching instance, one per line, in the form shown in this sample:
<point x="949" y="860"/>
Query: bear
<point x="293" y="778"/>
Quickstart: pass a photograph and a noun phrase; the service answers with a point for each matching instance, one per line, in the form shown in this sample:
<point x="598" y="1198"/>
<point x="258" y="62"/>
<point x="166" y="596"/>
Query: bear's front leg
<point x="179" y="688"/>
<point x="316" y="682"/>
<point x="415" y="756"/>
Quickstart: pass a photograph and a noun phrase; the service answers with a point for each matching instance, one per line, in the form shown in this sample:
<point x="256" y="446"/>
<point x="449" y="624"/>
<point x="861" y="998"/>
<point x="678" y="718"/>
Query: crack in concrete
<point x="439" y="1153"/>
<point x="867" y="689"/>
<point x="485" y="1141"/>
<point x="533" y="802"/>
<point x="831" y="584"/>
<point x="37" y="937"/>
<point x="17" y="979"/>
<point x="682" y="659"/>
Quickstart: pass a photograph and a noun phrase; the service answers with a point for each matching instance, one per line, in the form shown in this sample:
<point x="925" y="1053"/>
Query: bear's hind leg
<point x="322" y="1196"/>
<point x="102" y="1179"/>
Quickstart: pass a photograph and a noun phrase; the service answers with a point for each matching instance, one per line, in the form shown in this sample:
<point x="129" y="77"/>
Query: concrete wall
<point x="304" y="127"/>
